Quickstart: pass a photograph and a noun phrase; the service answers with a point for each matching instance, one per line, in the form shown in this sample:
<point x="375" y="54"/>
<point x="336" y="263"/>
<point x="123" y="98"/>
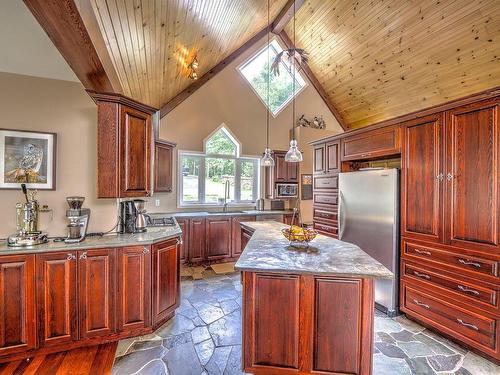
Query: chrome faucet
<point x="226" y="195"/>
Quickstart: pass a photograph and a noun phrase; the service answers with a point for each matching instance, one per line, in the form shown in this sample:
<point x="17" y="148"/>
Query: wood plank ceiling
<point x="151" y="42"/>
<point x="378" y="59"/>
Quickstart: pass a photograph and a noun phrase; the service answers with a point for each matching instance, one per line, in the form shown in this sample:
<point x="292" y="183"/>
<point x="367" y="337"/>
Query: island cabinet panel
<point x="236" y="236"/>
<point x="246" y="234"/>
<point x="218" y="235"/>
<point x="184" y="243"/>
<point x="197" y="240"/>
<point x="56" y="276"/>
<point x="423" y="176"/>
<point x="134" y="288"/>
<point x="472" y="176"/>
<point x="166" y="280"/>
<point x="96" y="289"/>
<point x="17" y="304"/>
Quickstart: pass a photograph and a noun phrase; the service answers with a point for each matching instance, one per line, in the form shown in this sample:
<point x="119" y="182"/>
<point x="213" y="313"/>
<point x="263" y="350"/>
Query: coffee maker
<point x="133" y="217"/>
<point x="78" y="219"/>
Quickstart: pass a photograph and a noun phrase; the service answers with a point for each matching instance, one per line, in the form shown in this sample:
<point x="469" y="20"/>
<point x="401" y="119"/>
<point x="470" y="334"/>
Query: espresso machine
<point x="78" y="219"/>
<point x="133" y="217"/>
<point x="27" y="222"/>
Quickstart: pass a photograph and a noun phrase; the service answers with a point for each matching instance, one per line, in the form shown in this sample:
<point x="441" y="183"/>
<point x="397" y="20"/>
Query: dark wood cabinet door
<point x="319" y="159"/>
<point x="246" y="234"/>
<point x="17" y="304"/>
<point x="236" y="245"/>
<point x="472" y="178"/>
<point x="197" y="240"/>
<point x="135" y="152"/>
<point x="134" y="288"/>
<point x="280" y="167"/>
<point x="332" y="150"/>
<point x="372" y="144"/>
<point x="163" y="166"/>
<point x="166" y="280"/>
<point x="292" y="172"/>
<point x="218" y="238"/>
<point x="96" y="289"/>
<point x="184" y="245"/>
<point x="57" y="298"/>
<point x="423" y="179"/>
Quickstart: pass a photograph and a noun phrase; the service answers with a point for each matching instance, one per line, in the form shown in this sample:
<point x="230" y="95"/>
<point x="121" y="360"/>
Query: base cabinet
<point x="17" y="304"/>
<point x="218" y="238"/>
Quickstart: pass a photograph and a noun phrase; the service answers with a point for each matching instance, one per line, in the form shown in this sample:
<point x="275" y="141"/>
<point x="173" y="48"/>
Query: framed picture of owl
<point x="27" y="157"/>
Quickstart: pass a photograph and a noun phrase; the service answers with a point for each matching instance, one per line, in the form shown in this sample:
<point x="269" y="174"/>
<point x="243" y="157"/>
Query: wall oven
<point x="287" y="190"/>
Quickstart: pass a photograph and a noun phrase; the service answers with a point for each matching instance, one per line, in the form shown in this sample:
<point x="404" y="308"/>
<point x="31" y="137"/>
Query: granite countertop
<point x="269" y="251"/>
<point x="153" y="235"/>
<point x="231" y="213"/>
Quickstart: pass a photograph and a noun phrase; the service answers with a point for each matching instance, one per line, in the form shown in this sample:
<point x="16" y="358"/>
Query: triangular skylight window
<point x="255" y="71"/>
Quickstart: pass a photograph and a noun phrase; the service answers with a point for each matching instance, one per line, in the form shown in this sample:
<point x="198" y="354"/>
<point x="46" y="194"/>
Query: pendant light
<point x="267" y="160"/>
<point x="293" y="155"/>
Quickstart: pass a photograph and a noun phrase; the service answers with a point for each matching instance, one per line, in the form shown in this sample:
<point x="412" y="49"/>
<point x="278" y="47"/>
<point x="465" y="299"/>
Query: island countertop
<point x="269" y="251"/>
<point x="152" y="236"/>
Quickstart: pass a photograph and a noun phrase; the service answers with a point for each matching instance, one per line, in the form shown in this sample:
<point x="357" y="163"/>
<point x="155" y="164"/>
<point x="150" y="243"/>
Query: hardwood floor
<point x="82" y="361"/>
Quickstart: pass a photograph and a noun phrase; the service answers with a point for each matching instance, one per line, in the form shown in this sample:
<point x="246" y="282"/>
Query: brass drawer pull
<point x="468" y="325"/>
<point x="440" y="177"/>
<point x="423" y="252"/>
<point x="422" y="275"/>
<point x="421" y="304"/>
<point x="84" y="255"/>
<point x="71" y="257"/>
<point x="145" y="250"/>
<point x="468" y="290"/>
<point x="466" y="262"/>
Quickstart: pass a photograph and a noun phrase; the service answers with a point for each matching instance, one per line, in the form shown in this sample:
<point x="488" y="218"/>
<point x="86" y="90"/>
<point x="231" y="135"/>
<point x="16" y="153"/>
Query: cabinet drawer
<point x="331" y="229"/>
<point x="461" y="288"/>
<point x="455" y="320"/>
<point x="326" y="182"/>
<point x="329" y="199"/>
<point x="474" y="265"/>
<point x="320" y="214"/>
<point x="379" y="142"/>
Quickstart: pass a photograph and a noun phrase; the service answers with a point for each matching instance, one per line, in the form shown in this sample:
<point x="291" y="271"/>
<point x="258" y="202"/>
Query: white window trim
<point x="285" y="104"/>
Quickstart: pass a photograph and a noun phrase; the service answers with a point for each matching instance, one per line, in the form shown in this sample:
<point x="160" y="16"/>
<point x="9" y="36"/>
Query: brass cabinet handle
<point x="71" y="257"/>
<point x="468" y="325"/>
<point x="422" y="275"/>
<point x="449" y="176"/>
<point x="180" y="241"/>
<point x="468" y="290"/>
<point x="467" y="262"/>
<point x="421" y="304"/>
<point x="440" y="177"/>
<point x="424" y="252"/>
<point x="145" y="250"/>
<point x="368" y="154"/>
<point x="84" y="255"/>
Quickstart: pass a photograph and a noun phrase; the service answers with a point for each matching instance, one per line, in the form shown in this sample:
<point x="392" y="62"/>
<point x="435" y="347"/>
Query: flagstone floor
<point x="204" y="338"/>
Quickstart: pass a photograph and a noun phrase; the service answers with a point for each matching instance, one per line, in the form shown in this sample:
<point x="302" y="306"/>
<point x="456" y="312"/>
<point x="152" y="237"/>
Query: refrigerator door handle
<point x="341" y="216"/>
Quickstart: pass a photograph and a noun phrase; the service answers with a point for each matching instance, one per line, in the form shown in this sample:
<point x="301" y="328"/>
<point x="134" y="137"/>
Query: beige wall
<point x="38" y="104"/>
<point x="229" y="99"/>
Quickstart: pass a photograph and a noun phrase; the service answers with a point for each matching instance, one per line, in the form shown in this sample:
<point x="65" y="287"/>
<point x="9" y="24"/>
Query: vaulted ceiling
<point x="378" y="59"/>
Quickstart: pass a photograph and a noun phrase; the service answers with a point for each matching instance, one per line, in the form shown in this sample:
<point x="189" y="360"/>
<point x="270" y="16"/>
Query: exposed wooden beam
<point x="183" y="95"/>
<point x="285" y="15"/>
<point x="63" y="24"/>
<point x="314" y="81"/>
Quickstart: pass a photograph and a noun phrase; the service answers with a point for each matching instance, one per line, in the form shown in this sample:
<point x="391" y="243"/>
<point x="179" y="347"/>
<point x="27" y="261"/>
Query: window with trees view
<point x="202" y="177"/>
<point x="256" y="71"/>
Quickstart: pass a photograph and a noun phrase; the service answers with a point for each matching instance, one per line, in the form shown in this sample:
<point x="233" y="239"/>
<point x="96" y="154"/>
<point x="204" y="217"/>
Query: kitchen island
<point x="306" y="310"/>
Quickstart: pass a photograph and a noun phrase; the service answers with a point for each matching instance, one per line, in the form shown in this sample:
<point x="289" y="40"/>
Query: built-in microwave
<point x="287" y="190"/>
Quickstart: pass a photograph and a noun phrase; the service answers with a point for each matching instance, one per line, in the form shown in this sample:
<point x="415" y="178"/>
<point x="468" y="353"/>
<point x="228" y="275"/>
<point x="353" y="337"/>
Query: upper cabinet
<point x="282" y="172"/>
<point x="163" y="166"/>
<point x="385" y="141"/>
<point x="327" y="158"/>
<point x="124" y="146"/>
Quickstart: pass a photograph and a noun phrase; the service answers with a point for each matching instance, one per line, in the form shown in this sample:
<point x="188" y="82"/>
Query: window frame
<point x="202" y="156"/>
<point x="297" y="72"/>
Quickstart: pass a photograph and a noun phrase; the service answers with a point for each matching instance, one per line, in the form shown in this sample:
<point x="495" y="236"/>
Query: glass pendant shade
<point x="293" y="155"/>
<point x="267" y="160"/>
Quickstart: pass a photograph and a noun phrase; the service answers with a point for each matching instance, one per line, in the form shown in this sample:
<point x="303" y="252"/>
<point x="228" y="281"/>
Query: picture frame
<point x="306" y="187"/>
<point x="27" y="157"/>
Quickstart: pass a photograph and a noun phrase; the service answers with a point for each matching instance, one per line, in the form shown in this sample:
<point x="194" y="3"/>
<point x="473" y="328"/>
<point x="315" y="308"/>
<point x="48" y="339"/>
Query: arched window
<point x="205" y="178"/>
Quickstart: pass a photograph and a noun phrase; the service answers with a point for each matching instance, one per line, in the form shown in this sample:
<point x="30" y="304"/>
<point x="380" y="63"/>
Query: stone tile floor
<point x="204" y="338"/>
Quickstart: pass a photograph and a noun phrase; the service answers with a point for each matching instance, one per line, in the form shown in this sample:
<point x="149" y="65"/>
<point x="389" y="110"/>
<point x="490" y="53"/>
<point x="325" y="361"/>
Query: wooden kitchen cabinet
<point x="17" y="310"/>
<point x="377" y="143"/>
<point x="163" y="166"/>
<point x="166" y="280"/>
<point x="218" y="235"/>
<point x="282" y="172"/>
<point x="197" y="240"/>
<point x="184" y="244"/>
<point x="124" y="146"/>
<point x="96" y="291"/>
<point x="56" y="279"/>
<point x="236" y="245"/>
<point x="134" y="288"/>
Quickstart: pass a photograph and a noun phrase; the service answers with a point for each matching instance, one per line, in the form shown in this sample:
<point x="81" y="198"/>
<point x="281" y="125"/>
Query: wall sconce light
<point x="193" y="67"/>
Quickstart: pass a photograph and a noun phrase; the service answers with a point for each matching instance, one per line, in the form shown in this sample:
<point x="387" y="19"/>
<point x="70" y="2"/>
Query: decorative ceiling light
<point x="293" y="155"/>
<point x="193" y="67"/>
<point x="267" y="160"/>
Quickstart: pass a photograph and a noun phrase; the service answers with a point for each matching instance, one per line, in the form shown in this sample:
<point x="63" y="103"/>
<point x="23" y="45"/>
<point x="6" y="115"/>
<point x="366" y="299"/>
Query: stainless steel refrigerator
<point x="369" y="218"/>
